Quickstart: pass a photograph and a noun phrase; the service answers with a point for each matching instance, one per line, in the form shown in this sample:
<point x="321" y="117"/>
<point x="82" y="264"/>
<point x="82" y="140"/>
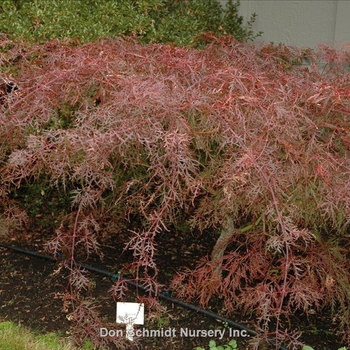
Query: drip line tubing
<point x="164" y="296"/>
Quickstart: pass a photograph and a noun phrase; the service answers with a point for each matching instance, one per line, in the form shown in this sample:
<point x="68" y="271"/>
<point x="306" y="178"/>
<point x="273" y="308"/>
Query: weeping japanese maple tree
<point x="249" y="141"/>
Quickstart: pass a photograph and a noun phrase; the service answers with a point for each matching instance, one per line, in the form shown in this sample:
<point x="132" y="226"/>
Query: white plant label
<point x="130" y="314"/>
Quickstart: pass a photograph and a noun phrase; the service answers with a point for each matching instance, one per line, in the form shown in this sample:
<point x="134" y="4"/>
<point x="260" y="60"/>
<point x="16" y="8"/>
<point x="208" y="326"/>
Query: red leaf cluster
<point x="161" y="134"/>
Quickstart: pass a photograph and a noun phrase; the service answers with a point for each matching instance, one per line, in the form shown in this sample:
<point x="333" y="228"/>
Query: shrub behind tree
<point x="167" y="21"/>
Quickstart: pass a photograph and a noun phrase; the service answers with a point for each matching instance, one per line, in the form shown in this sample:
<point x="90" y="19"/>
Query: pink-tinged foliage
<point x="159" y="135"/>
<point x="87" y="325"/>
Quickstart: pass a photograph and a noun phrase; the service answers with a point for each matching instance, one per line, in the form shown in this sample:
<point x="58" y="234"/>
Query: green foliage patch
<point x="231" y="345"/>
<point x="179" y="22"/>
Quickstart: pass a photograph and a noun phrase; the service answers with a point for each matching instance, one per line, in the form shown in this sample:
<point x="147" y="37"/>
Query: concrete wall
<point x="303" y="23"/>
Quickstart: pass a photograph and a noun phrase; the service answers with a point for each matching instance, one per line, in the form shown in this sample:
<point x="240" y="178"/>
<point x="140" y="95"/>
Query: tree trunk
<point x="220" y="247"/>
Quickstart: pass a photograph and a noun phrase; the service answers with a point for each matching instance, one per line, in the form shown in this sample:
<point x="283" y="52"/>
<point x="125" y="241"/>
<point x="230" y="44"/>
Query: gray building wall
<point x="303" y="23"/>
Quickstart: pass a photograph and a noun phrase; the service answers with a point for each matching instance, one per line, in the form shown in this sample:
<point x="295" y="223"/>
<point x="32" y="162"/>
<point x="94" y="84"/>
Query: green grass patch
<point x="13" y="337"/>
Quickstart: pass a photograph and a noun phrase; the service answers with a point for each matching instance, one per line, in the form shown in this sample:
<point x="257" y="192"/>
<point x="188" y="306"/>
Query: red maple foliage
<point x="250" y="140"/>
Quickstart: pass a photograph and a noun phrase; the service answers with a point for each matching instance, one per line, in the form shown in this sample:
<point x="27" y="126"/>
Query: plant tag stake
<point x="130" y="314"/>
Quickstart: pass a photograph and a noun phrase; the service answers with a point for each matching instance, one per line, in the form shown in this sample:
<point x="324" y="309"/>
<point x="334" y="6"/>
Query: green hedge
<point x="167" y="21"/>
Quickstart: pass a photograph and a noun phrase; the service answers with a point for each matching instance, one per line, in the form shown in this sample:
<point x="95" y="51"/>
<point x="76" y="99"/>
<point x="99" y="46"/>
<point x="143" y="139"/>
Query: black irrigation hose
<point x="161" y="295"/>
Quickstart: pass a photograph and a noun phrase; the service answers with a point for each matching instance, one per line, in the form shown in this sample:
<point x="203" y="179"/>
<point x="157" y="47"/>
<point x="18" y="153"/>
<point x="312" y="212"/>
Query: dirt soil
<point x="31" y="292"/>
